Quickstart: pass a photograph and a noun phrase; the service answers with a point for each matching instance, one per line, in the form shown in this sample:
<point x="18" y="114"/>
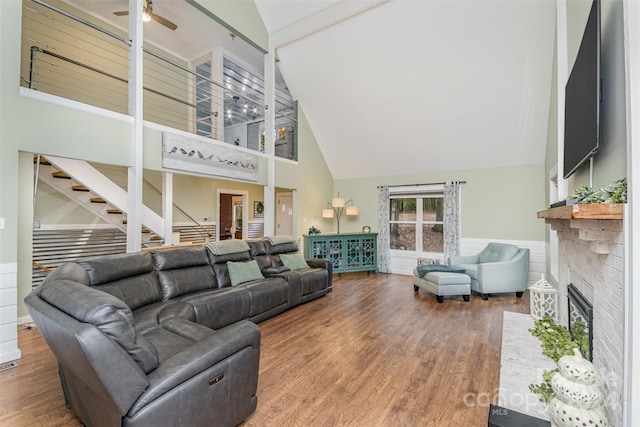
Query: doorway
<point x="284" y="214"/>
<point x="232" y="214"/>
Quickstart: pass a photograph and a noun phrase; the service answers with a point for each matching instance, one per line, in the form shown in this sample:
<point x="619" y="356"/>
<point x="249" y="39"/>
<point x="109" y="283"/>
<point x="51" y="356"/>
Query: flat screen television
<point x="583" y="96"/>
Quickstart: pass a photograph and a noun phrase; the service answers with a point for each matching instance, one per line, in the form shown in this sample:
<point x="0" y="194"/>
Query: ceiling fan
<point x="148" y="15"/>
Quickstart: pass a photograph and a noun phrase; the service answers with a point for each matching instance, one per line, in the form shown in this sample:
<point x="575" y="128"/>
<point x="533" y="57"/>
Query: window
<point x="416" y="221"/>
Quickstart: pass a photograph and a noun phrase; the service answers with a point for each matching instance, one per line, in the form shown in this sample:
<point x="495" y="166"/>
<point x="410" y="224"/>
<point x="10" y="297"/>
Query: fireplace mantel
<point x="598" y="224"/>
<point x="590" y="255"/>
<point x="590" y="211"/>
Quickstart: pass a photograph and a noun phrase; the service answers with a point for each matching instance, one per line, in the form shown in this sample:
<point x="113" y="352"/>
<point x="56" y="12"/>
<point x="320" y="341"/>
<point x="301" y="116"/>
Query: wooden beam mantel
<point x="599" y="224"/>
<point x="589" y="211"/>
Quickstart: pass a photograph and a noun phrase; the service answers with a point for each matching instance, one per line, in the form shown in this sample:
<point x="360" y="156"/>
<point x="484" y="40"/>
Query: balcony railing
<point x="82" y="59"/>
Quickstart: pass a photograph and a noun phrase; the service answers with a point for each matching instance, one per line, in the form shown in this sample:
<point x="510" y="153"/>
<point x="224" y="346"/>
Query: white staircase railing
<point x="112" y="195"/>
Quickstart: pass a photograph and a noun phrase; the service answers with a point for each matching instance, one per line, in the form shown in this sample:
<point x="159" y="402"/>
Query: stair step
<point x="61" y="175"/>
<point x="80" y="188"/>
<point x="43" y="161"/>
<point x="146" y="230"/>
<point x="97" y="200"/>
<point x="114" y="211"/>
<point x="124" y="221"/>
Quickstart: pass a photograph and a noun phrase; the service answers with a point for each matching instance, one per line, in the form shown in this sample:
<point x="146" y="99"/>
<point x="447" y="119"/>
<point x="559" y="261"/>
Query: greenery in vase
<point x="556" y="342"/>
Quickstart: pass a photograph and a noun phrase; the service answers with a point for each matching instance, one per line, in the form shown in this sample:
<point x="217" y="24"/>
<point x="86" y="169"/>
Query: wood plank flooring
<point x="371" y="353"/>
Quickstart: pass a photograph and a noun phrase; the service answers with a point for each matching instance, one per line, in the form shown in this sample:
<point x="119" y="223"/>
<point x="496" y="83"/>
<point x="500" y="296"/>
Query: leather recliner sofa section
<point x="162" y="338"/>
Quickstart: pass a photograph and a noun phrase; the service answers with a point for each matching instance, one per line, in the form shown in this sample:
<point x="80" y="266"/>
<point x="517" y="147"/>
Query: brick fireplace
<point x="591" y="257"/>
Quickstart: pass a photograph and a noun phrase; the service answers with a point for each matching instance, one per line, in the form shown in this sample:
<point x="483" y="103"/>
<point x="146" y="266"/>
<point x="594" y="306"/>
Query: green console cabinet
<point x="348" y="251"/>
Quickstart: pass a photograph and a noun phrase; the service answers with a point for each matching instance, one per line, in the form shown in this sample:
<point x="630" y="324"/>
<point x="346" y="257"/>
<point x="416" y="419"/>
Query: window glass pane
<point x="432" y="238"/>
<point x="402" y="210"/>
<point x="432" y="209"/>
<point x="402" y="236"/>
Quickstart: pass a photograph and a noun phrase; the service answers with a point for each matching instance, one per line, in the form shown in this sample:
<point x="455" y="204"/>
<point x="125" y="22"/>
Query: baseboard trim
<point x="24" y="320"/>
<point x="11" y="355"/>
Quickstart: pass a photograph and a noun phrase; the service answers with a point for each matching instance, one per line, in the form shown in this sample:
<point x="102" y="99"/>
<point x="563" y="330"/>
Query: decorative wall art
<point x="258" y="209"/>
<point x="191" y="155"/>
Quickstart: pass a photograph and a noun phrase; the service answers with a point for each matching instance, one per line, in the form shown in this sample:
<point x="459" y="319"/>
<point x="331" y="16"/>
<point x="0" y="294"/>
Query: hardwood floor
<point x="371" y="353"/>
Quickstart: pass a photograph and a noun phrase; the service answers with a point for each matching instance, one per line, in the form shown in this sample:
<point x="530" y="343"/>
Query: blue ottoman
<point x="443" y="284"/>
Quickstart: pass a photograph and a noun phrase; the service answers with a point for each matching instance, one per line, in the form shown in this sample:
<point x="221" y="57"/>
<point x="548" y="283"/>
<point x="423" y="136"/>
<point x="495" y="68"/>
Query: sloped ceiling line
<point x="319" y="21"/>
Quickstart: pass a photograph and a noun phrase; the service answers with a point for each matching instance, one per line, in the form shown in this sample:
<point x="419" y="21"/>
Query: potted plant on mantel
<point x="592" y="203"/>
<point x="616" y="192"/>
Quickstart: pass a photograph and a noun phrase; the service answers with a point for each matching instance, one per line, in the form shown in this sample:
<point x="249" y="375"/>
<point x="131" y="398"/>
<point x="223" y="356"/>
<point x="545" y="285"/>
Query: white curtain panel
<point x="384" y="257"/>
<point x="451" y="218"/>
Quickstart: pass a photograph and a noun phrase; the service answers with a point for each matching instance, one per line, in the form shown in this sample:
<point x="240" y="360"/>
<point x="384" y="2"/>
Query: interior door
<point x="232" y="214"/>
<point x="284" y="214"/>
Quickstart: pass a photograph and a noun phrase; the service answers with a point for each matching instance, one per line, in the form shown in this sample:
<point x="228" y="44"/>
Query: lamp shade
<point x="327" y="213"/>
<point x="352" y="210"/>
<point x="337" y="202"/>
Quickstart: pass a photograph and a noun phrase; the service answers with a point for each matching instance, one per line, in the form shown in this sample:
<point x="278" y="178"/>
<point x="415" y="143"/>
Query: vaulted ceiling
<point x="413" y="86"/>
<point x="394" y="87"/>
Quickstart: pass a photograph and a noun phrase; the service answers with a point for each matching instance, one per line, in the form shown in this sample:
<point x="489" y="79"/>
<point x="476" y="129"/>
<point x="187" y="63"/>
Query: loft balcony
<point x="194" y="80"/>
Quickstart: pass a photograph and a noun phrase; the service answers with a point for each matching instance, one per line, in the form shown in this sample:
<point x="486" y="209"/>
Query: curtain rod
<point x="417" y="185"/>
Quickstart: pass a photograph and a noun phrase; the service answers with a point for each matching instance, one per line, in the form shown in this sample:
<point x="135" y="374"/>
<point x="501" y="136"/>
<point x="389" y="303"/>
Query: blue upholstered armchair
<point x="499" y="268"/>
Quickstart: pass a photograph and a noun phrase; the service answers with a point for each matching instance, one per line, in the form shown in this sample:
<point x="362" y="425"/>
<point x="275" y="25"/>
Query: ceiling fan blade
<point x="121" y="13"/>
<point x="159" y="19"/>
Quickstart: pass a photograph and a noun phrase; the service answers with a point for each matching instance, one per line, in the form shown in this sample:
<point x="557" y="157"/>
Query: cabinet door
<point x="353" y="253"/>
<point x="335" y="247"/>
<point x="318" y="249"/>
<point x="369" y="258"/>
<point x="327" y="248"/>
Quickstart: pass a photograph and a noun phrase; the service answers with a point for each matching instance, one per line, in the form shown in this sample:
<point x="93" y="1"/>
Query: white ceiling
<point x="394" y="87"/>
<point x="196" y="34"/>
<point x="417" y="86"/>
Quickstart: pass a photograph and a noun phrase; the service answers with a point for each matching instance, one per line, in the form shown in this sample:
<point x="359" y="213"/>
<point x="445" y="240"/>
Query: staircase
<point x="85" y="185"/>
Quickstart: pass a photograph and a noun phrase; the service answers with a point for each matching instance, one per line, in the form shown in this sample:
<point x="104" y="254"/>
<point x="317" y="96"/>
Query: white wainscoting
<point x="403" y="262"/>
<point x="9" y="313"/>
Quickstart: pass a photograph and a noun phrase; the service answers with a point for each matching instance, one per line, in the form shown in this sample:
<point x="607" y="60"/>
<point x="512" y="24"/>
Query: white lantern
<point x="544" y="300"/>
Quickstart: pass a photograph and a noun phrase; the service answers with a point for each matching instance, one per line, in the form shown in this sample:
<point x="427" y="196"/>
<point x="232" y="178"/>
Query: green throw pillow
<point x="241" y="272"/>
<point x="294" y="261"/>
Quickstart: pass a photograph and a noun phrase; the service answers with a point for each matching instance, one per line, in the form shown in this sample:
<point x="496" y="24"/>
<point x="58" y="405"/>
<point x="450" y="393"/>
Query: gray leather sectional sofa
<point x="162" y="338"/>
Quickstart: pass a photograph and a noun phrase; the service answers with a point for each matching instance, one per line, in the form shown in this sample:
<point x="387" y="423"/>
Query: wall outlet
<point x="1" y="223"/>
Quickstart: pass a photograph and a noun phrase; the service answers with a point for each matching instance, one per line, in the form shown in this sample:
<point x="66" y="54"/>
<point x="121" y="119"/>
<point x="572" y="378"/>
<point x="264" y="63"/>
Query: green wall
<point x="497" y="203"/>
<point x="311" y="178"/>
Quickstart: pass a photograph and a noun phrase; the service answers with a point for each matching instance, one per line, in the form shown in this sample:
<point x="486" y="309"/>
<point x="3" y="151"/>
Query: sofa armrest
<point x="320" y="263"/>
<point x="327" y="264"/>
<point x="273" y="271"/>
<point x="457" y="260"/>
<point x="198" y="357"/>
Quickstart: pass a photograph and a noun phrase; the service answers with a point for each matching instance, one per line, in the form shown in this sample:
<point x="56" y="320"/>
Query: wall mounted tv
<point x="583" y="95"/>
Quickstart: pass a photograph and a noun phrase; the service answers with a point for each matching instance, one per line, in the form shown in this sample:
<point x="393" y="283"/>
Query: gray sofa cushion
<point x="260" y="254"/>
<point x="130" y="277"/>
<point x="182" y="271"/>
<point x="280" y="248"/>
<point x="220" y="257"/>
<point x="152" y="315"/>
<point x="106" y="312"/>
